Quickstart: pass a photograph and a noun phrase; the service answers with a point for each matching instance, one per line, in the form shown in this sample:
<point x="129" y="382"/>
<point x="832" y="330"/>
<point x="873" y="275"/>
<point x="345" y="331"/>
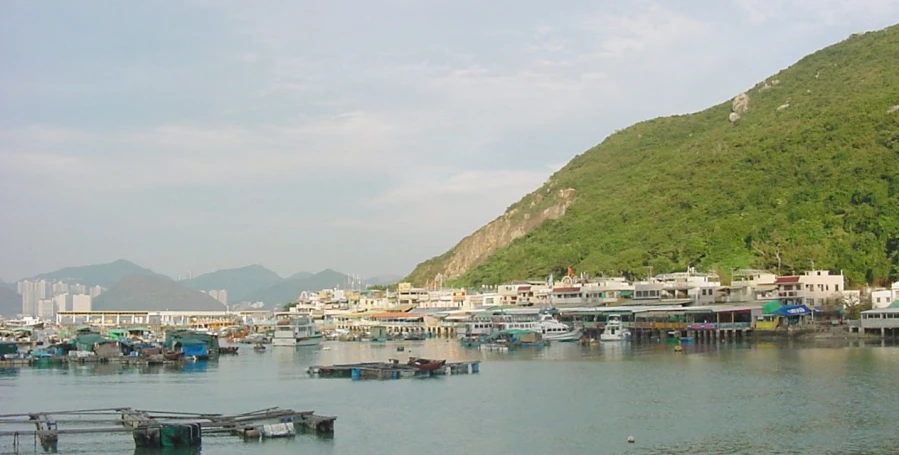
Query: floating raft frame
<point x="389" y="370"/>
<point x="158" y="429"/>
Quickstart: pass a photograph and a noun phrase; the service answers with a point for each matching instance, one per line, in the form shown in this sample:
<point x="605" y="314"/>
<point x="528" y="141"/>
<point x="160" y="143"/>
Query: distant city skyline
<point x="357" y="136"/>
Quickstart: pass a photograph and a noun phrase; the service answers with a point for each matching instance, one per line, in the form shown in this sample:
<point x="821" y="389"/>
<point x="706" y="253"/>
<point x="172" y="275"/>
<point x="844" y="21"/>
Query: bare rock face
<point x="783" y="106"/>
<point x="741" y="103"/>
<point x="739" y="107"/>
<point x="499" y="233"/>
<point x="893" y="109"/>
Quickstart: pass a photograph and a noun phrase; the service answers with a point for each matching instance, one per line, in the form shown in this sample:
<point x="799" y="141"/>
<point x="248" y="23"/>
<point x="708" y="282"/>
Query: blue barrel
<point x="474" y="367"/>
<point x="356" y="374"/>
<point x="396" y="375"/>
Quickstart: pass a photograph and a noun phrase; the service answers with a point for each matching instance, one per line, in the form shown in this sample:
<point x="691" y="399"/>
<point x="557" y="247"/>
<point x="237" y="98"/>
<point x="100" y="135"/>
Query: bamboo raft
<point x="389" y="370"/>
<point x="158" y="429"/>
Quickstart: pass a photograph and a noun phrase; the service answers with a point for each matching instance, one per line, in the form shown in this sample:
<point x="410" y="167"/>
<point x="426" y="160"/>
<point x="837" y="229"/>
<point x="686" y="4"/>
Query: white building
<point x="219" y="294"/>
<point x="63" y="302"/>
<point x="95" y="291"/>
<point x="881" y="298"/>
<point x="81" y="302"/>
<point x="46" y="309"/>
<point x="814" y="289"/>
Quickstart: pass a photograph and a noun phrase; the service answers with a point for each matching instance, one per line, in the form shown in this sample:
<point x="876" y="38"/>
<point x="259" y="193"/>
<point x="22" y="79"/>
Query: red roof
<point x="524" y="288"/>
<point x="786" y="279"/>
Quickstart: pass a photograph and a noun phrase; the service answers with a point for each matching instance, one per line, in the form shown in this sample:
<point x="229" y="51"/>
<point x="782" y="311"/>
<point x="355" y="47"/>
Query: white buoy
<point x="631" y="439"/>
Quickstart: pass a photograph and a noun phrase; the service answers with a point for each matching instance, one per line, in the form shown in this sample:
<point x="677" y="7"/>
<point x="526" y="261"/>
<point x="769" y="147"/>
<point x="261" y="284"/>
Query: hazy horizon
<point x="365" y="138"/>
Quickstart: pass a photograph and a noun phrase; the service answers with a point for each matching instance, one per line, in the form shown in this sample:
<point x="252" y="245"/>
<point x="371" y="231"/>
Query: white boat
<point x="614" y="330"/>
<point x="295" y="329"/>
<point x="546" y="325"/>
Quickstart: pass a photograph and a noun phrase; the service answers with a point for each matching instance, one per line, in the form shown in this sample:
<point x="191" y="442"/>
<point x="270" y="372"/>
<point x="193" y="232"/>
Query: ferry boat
<point x="544" y="324"/>
<point x="295" y="329"/>
<point x="614" y="330"/>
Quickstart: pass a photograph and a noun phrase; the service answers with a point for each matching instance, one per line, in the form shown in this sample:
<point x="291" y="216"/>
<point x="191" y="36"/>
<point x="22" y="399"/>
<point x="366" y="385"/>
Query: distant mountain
<point x="10" y="302"/>
<point x="155" y="293"/>
<point x="381" y="280"/>
<point x="300" y="276"/>
<point x="239" y="282"/>
<point x="4" y="284"/>
<point x="105" y="275"/>
<point x="288" y="290"/>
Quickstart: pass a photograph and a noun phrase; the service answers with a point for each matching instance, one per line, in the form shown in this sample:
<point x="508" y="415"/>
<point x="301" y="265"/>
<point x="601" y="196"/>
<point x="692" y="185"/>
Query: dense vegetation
<point x="779" y="188"/>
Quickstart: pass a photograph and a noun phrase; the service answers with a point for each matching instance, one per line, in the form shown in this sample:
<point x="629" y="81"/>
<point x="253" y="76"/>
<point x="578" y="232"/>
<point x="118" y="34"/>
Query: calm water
<point x="713" y="399"/>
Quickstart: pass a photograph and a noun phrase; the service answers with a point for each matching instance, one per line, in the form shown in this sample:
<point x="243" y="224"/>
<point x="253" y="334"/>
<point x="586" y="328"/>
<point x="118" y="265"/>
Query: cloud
<point x="817" y="13"/>
<point x="180" y="155"/>
<point x="411" y="120"/>
<point x="650" y="27"/>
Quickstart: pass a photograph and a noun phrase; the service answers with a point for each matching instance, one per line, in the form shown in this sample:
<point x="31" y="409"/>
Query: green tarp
<point x="8" y="348"/>
<point x="86" y="342"/>
<point x="771" y="307"/>
<point x="895" y="304"/>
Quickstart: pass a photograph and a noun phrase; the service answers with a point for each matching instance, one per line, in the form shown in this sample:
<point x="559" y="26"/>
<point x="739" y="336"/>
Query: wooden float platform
<point x="389" y="370"/>
<point x="158" y="429"/>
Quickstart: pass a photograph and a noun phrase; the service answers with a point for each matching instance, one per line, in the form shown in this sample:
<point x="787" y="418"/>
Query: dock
<point x="158" y="429"/>
<point x="390" y="370"/>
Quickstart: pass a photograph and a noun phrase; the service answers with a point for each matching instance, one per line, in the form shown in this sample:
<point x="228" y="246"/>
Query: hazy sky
<point x="365" y="135"/>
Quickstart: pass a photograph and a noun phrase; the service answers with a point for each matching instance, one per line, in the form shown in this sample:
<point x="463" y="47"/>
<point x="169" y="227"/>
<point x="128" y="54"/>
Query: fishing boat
<point x="228" y="349"/>
<point x="614" y="330"/>
<point x="426" y="364"/>
<point x="295" y="329"/>
<point x="173" y="355"/>
<point x="259" y="347"/>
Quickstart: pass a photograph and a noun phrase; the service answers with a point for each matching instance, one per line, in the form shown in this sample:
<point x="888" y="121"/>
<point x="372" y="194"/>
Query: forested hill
<point x="802" y="167"/>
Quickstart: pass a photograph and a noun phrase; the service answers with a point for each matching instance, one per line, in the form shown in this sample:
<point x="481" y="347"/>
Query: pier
<point x="158" y="429"/>
<point x="390" y="370"/>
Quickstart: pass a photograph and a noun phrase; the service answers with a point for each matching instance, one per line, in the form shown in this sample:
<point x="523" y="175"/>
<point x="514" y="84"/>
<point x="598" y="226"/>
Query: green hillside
<point x="105" y="275"/>
<point x="239" y="282"/>
<point x="809" y="172"/>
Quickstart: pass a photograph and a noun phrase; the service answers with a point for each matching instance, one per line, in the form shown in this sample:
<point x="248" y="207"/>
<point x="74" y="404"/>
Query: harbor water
<point x="728" y="398"/>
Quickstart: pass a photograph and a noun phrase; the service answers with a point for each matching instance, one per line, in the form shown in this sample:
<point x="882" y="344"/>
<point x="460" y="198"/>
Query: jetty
<point x="391" y="369"/>
<point x="158" y="429"/>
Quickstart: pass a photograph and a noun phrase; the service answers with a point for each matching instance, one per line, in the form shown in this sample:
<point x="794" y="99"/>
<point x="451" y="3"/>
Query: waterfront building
<point x="881" y="298"/>
<point x="814" y="289"/>
<point x="408" y="295"/>
<point x="882" y="320"/>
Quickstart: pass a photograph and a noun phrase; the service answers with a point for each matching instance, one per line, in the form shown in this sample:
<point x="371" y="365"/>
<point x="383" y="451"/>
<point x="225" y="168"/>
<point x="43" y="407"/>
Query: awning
<point x="771" y="307"/>
<point x="793" y="310"/>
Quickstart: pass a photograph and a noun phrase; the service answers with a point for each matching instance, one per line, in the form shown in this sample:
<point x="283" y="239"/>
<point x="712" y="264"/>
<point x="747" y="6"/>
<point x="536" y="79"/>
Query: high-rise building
<point x="81" y="302"/>
<point x="46" y="309"/>
<point x="30" y="297"/>
<point x="95" y="291"/>
<point x="219" y="294"/>
<point x="63" y="302"/>
<point x="59" y="288"/>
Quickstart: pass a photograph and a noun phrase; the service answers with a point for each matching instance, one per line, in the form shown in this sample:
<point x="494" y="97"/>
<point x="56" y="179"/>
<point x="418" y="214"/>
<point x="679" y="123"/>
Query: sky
<point x="359" y="135"/>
